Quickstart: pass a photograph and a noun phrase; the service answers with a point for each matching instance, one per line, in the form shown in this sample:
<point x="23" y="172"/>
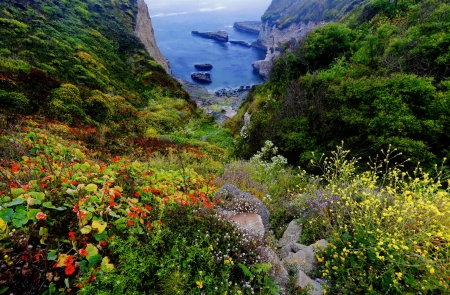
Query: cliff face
<point x="144" y="31"/>
<point x="288" y="21"/>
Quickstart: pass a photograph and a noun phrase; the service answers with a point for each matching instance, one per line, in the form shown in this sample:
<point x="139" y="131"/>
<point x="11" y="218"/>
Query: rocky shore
<point x="222" y="105"/>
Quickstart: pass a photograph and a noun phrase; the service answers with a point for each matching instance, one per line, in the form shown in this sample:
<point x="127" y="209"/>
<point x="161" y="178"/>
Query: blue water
<point x="232" y="63"/>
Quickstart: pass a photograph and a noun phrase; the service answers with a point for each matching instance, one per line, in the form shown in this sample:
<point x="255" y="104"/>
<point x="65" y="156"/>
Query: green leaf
<point x="245" y="270"/>
<point x="52" y="255"/>
<point x="102" y="236"/>
<point x="17" y="191"/>
<point x="19" y="222"/>
<point x="61" y="208"/>
<point x="43" y="231"/>
<point x="49" y="205"/>
<point x="113" y="214"/>
<point x="83" y="265"/>
<point x="94" y="260"/>
<point x="72" y="192"/>
<point x="3" y="290"/>
<point x="37" y="195"/>
<point x="15" y="202"/>
<point x="7" y="214"/>
<point x="91" y="187"/>
<point x="32" y="214"/>
<point x="91" y="250"/>
<point x="86" y="229"/>
<point x="106" y="266"/>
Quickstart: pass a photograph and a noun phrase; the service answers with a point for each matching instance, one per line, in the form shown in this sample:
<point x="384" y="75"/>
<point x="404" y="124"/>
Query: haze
<point x="173" y="7"/>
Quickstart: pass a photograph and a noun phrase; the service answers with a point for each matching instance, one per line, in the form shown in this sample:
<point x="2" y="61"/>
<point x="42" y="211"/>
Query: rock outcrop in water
<point x="243" y="43"/>
<point x="203" y="67"/>
<point x="221" y="35"/>
<point x="248" y="26"/>
<point x="144" y="32"/>
<point x="202" y="77"/>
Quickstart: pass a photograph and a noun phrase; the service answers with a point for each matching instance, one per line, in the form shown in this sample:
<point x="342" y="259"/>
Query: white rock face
<point x="144" y="31"/>
<point x="272" y="39"/>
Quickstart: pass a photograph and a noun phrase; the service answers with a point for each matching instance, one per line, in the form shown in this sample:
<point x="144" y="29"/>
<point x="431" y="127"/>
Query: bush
<point x="14" y="101"/>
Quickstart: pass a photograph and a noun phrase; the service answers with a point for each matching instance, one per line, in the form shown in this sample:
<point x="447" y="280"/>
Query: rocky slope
<point x="144" y="31"/>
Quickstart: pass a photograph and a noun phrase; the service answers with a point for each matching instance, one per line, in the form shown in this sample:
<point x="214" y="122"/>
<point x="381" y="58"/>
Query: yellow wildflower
<point x="199" y="284"/>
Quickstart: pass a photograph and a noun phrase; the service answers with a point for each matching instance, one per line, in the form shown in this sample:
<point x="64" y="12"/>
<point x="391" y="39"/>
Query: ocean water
<point x="232" y="63"/>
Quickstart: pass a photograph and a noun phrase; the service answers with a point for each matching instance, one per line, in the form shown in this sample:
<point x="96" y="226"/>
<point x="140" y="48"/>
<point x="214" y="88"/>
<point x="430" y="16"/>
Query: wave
<point x="169" y="14"/>
<point x="212" y="9"/>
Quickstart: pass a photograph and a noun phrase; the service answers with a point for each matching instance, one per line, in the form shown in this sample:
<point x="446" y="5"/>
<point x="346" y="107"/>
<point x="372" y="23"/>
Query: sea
<point x="232" y="63"/>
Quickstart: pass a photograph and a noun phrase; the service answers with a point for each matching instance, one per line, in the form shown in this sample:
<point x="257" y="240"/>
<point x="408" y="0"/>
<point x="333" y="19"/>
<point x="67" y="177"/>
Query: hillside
<point x="283" y="13"/>
<point x="377" y="77"/>
<point x="112" y="182"/>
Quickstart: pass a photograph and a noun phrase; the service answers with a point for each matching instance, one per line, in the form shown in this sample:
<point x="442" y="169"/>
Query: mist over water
<point x="173" y="22"/>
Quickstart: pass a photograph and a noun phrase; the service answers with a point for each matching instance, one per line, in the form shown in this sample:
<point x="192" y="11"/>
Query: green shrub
<point x="13" y="101"/>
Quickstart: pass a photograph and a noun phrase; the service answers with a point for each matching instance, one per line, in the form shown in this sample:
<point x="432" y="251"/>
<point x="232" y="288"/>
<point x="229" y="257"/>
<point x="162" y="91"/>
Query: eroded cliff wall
<point x="288" y="21"/>
<point x="144" y="31"/>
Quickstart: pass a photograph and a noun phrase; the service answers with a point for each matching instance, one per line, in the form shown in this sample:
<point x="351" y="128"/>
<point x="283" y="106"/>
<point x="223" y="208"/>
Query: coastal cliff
<point x="287" y="22"/>
<point x="144" y="31"/>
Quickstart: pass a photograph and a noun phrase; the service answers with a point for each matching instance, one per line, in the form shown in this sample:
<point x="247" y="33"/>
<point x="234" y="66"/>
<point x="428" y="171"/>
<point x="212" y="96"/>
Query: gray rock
<point x="263" y="68"/>
<point x="291" y="234"/>
<point x="303" y="281"/>
<point x="278" y="271"/>
<point x="246" y="124"/>
<point x="253" y="27"/>
<point x="233" y="199"/>
<point x="203" y="67"/>
<point x="221" y="35"/>
<point x="202" y="77"/>
<point x="305" y="258"/>
<point x="250" y="222"/>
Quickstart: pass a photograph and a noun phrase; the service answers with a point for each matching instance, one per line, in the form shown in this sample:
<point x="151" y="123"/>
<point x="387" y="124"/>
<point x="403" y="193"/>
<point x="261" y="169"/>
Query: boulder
<point x="263" y="68"/>
<point x="291" y="234"/>
<point x="232" y="199"/>
<point x="251" y="223"/>
<point x="305" y="258"/>
<point x="253" y="27"/>
<point x="221" y="35"/>
<point x="201" y="77"/>
<point x="203" y="67"/>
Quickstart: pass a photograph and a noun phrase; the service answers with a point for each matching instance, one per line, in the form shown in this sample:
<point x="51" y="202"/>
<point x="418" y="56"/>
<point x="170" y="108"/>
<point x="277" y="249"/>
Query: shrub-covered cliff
<point x="285" y="12"/>
<point x="377" y="77"/>
<point x="81" y="62"/>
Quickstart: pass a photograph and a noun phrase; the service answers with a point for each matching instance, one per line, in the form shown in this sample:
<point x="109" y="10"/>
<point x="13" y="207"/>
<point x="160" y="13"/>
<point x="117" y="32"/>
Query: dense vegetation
<point x="283" y="13"/>
<point x="108" y="172"/>
<point x="378" y="77"/>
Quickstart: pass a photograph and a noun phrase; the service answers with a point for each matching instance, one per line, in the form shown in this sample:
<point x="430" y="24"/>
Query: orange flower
<point x="82" y="252"/>
<point x="41" y="216"/>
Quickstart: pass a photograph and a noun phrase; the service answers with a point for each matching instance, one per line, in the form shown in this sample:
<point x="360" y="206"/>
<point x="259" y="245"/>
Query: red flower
<point x="69" y="269"/>
<point x="15" y="168"/>
<point x="41" y="216"/>
<point x="149" y="225"/>
<point x="112" y="204"/>
<point x="147" y="207"/>
<point x="143" y="214"/>
<point x="81" y="214"/>
<point x="69" y="260"/>
<point x="103" y="243"/>
<point x="137" y="194"/>
<point x="82" y="252"/>
<point x="130" y="222"/>
<point x="71" y="235"/>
